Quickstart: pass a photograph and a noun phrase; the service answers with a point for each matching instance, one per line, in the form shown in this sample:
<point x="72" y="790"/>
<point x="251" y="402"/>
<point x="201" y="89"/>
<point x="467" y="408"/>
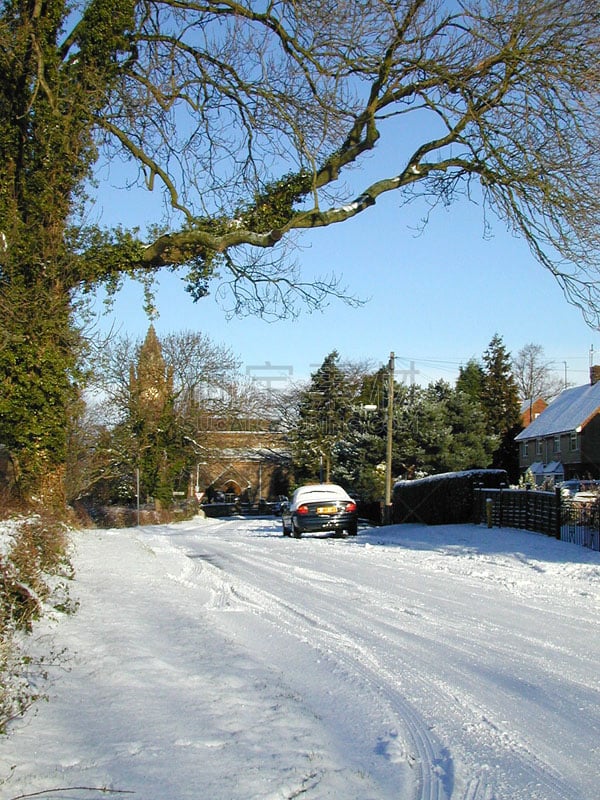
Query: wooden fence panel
<point x="545" y="512"/>
<point x="519" y="508"/>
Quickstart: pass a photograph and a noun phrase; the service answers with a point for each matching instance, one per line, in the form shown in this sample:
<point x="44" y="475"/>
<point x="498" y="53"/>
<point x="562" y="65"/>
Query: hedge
<point x="442" y="499"/>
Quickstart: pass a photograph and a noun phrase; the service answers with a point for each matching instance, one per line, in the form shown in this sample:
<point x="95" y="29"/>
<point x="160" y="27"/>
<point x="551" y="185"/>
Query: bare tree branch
<point x="252" y="119"/>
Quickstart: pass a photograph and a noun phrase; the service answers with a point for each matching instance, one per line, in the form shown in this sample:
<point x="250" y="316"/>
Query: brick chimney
<point x="594" y="374"/>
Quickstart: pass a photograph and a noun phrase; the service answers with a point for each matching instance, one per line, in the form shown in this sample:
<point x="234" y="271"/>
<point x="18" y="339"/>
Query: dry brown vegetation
<point x="34" y="574"/>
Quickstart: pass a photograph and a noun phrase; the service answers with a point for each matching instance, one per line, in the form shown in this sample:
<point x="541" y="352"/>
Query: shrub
<point x="34" y="569"/>
<point x="127" y="516"/>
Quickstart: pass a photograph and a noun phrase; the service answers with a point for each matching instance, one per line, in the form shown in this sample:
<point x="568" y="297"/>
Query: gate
<point x="580" y="522"/>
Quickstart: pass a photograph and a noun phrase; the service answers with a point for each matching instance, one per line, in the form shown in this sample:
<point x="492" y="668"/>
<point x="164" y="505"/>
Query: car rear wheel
<point x="353" y="529"/>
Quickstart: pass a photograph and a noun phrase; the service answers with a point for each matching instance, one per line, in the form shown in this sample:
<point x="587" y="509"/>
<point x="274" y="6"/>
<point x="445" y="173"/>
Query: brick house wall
<point x="532" y="410"/>
<point x="247" y="464"/>
<point x="579" y="452"/>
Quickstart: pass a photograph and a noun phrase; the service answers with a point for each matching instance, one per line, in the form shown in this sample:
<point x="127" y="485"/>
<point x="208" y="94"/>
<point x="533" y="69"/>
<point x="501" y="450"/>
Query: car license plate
<point x="327" y="510"/>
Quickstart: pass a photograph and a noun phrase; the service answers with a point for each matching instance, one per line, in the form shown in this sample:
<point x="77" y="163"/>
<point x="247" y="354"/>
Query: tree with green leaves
<point x="324" y="413"/>
<point x="438" y="429"/>
<point x="359" y="457"/>
<point x="201" y="381"/>
<point x="47" y="147"/>
<point x="204" y="375"/>
<point x="249" y="118"/>
<point x="468" y="443"/>
<point x="500" y="395"/>
<point x="152" y="422"/>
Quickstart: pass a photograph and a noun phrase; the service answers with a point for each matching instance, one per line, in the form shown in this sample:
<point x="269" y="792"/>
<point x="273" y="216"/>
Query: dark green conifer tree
<point x="500" y="400"/>
<point x="325" y="411"/>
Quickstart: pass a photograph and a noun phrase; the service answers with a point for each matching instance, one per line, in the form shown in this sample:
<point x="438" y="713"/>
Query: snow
<point x="217" y="659"/>
<point x="9" y="530"/>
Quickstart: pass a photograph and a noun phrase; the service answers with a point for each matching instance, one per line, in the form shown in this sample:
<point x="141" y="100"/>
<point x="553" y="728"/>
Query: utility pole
<point x="387" y="511"/>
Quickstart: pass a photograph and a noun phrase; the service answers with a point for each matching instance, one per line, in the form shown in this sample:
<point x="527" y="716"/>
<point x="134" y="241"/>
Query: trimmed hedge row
<point x="443" y="499"/>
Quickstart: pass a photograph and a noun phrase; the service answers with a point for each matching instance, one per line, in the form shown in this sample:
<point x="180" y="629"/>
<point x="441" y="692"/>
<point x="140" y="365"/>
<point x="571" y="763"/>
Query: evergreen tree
<point x="441" y="429"/>
<point x="422" y="435"/>
<point x="359" y="458"/>
<point x="470" y="445"/>
<point x="324" y="414"/>
<point x="470" y="379"/>
<point x="500" y="395"/>
<point x="177" y="386"/>
<point x="500" y="400"/>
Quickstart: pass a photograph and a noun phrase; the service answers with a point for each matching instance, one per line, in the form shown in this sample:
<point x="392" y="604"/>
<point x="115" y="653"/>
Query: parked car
<point x="569" y="488"/>
<point x="320" y="507"/>
<point x="279" y="504"/>
<point x="576" y="489"/>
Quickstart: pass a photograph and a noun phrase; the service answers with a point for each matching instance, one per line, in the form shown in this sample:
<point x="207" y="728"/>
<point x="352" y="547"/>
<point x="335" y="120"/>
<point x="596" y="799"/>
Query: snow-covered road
<point x="219" y="660"/>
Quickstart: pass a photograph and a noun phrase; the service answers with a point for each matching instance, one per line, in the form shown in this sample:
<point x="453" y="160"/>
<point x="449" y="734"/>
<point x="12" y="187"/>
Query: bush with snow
<point x="34" y="570"/>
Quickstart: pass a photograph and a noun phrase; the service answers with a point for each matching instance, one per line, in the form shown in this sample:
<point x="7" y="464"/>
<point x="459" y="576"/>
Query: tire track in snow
<point x="432" y="763"/>
<point x="429" y="763"/>
<point x="545" y="781"/>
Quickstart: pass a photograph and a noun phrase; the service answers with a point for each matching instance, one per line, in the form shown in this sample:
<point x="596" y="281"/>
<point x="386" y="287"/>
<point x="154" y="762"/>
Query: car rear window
<point x="320" y="494"/>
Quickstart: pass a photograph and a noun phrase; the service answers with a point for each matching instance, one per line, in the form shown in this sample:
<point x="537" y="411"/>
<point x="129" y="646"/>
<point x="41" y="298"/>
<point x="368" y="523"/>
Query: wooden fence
<point x="546" y="512"/>
<point x="519" y="508"/>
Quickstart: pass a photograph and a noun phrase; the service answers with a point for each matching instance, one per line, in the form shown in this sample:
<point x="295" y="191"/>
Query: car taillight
<point x="351" y="507"/>
<point x="302" y="510"/>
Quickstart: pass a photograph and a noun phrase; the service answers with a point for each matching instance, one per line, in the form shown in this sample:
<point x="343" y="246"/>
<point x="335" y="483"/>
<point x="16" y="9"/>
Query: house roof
<point x="572" y="409"/>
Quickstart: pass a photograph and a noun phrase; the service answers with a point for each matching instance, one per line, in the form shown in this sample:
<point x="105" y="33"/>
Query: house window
<point x="557" y="444"/>
<point x="525" y="449"/>
<point x="574" y="443"/>
<point x="538" y="447"/>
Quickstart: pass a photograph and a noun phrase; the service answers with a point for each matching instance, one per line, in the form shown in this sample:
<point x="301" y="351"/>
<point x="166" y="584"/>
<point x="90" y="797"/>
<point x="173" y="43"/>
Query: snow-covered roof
<point x="554" y="467"/>
<point x="572" y="409"/>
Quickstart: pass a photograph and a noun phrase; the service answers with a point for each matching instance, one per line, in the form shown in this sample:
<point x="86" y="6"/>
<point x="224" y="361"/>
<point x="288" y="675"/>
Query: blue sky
<point x="435" y="299"/>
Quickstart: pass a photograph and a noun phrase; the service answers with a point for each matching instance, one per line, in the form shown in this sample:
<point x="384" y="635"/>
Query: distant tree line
<point x="155" y="401"/>
<point x="339" y="433"/>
